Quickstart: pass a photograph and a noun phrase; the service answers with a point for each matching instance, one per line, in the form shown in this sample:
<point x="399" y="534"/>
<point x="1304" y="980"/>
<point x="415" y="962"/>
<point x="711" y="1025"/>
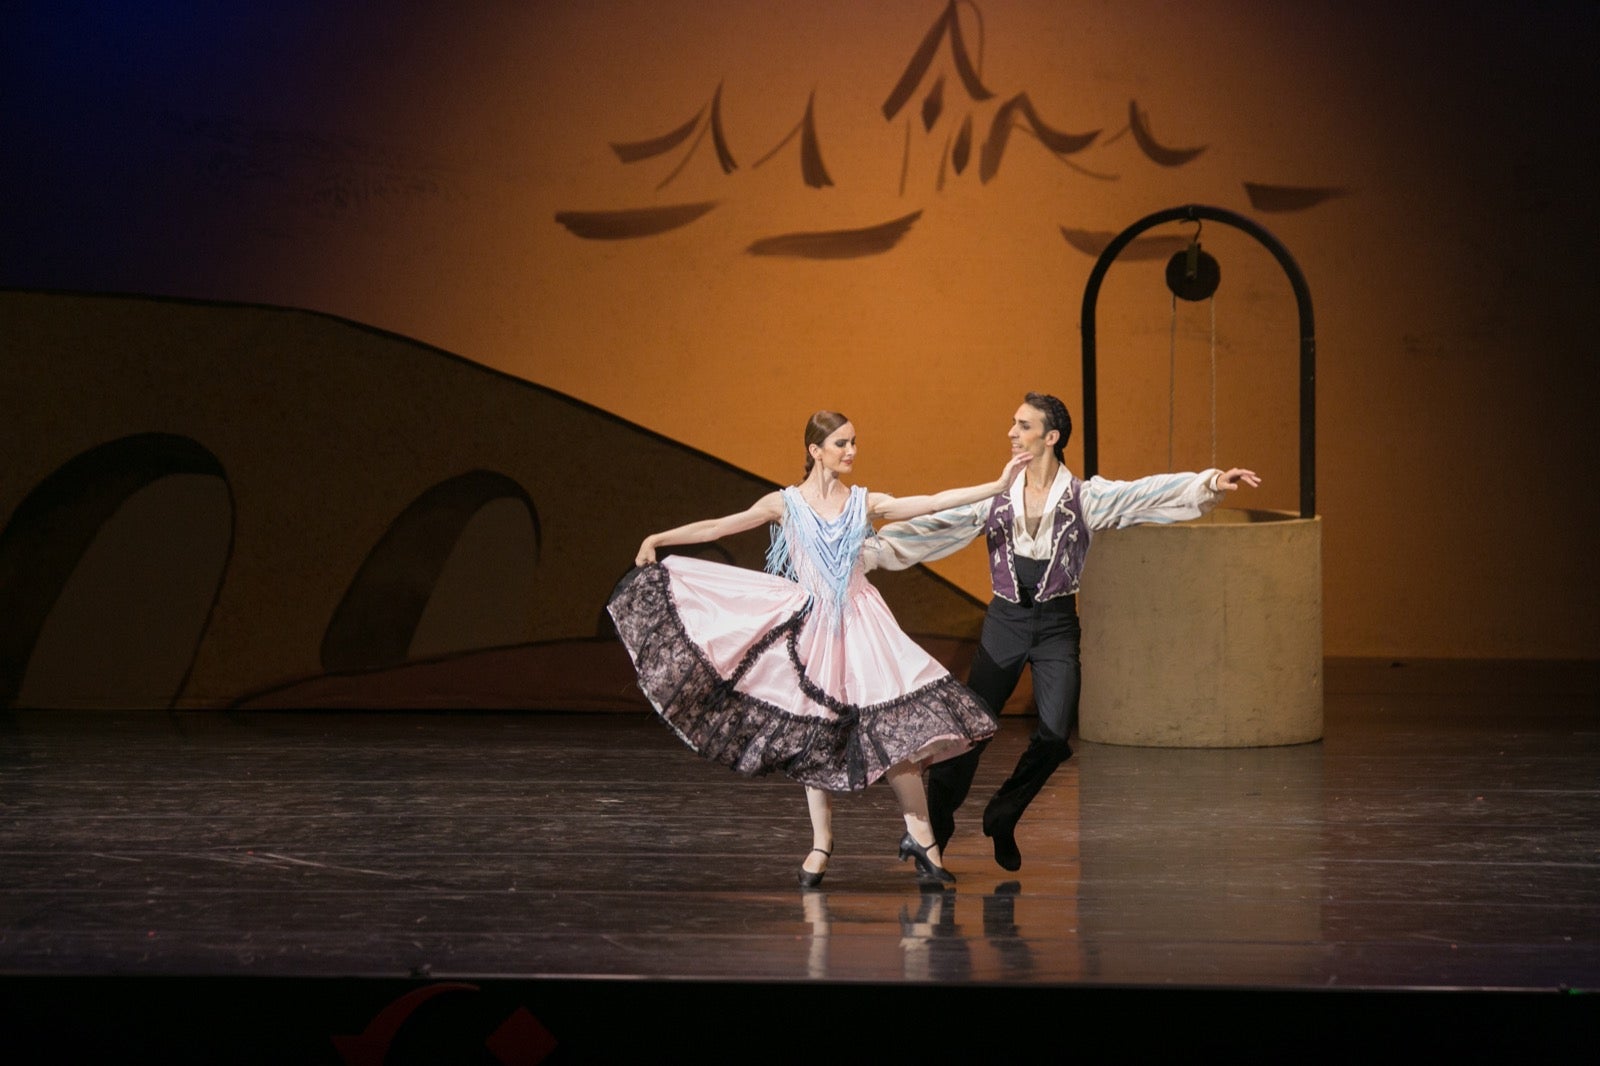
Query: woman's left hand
<point x="1017" y="465"/>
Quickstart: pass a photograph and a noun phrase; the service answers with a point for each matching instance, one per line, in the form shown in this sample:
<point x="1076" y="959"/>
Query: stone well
<point x="1204" y="634"/>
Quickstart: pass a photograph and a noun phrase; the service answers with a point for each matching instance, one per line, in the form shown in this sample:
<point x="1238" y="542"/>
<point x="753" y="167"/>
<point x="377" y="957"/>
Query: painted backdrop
<point x="710" y="219"/>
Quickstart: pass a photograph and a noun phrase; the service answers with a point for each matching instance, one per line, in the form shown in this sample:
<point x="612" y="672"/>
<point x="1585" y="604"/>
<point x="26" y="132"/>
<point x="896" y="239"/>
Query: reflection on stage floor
<point x="1428" y="842"/>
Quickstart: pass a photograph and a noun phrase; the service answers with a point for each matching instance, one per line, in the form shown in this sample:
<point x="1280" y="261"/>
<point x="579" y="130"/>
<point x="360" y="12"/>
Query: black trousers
<point x="1045" y="637"/>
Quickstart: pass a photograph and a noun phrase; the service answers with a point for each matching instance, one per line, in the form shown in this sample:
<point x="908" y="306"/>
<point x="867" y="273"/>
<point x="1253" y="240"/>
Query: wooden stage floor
<point x="338" y="887"/>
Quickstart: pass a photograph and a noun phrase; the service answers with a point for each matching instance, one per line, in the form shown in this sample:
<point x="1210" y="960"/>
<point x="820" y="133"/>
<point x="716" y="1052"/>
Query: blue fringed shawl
<point x="819" y="555"/>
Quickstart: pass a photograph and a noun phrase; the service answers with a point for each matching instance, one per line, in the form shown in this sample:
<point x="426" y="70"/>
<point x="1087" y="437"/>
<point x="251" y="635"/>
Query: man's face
<point x="1028" y="433"/>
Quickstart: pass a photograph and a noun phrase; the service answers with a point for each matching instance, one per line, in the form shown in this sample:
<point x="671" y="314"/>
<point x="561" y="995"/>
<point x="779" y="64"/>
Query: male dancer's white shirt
<point x="1106" y="505"/>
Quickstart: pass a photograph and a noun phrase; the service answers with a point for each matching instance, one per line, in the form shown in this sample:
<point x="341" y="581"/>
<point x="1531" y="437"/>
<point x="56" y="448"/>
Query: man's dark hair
<point x="1055" y="417"/>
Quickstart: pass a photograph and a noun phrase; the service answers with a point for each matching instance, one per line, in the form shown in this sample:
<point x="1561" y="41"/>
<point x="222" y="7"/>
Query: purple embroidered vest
<point x="1071" y="535"/>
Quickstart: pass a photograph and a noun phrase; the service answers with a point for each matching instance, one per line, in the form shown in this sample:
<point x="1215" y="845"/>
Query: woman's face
<point x="837" y="452"/>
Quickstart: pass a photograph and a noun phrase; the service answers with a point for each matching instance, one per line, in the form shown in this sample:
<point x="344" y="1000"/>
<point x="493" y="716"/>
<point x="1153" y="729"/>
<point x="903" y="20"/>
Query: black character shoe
<point x="928" y="871"/>
<point x="811" y="879"/>
<point x="1005" y="810"/>
<point x="1003" y="831"/>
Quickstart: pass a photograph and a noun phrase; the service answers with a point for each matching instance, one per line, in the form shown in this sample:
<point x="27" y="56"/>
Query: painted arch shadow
<point x="110" y="570"/>
<point x="452" y="573"/>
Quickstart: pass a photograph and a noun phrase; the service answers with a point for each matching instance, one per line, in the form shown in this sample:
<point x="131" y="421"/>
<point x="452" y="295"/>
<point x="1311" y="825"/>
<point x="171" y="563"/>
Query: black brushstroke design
<point x="811" y="166"/>
<point x="837" y="244"/>
<point x="948" y="22"/>
<point x="933" y="105"/>
<point x="1093" y="242"/>
<point x="1085" y="171"/>
<point x="724" y="156"/>
<point x="629" y="223"/>
<point x="962" y="151"/>
<point x="1290" y="197"/>
<point x="1005" y="118"/>
<point x="1158" y="153"/>
<point x="675" y="171"/>
<point x="634" y="151"/>
<point x="905" y="158"/>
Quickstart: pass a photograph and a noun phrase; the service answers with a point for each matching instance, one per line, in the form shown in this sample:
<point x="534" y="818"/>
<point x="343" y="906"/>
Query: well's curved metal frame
<point x="1308" y="341"/>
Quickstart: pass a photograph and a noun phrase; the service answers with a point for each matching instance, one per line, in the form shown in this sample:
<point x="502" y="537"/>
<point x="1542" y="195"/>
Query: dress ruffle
<point x="822" y="741"/>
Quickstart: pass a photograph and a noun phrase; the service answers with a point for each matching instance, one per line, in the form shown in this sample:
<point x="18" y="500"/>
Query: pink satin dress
<point x="802" y="670"/>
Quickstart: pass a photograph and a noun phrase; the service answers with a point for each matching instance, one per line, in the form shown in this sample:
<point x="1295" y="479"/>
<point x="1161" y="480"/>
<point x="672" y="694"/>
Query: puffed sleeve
<point x="902" y="545"/>
<point x="1158" y="498"/>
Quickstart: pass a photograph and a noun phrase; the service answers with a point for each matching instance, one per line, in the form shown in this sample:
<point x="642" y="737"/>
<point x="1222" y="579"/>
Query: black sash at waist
<point x="1030" y="573"/>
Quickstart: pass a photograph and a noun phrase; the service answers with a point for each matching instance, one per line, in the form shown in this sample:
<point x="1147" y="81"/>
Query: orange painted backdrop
<point x="405" y="166"/>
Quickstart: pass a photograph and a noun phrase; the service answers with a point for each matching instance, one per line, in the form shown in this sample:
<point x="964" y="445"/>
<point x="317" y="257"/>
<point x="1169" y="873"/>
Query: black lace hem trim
<point x="844" y="752"/>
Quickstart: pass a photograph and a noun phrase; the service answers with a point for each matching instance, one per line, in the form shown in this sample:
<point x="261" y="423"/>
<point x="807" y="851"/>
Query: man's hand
<point x="1230" y="480"/>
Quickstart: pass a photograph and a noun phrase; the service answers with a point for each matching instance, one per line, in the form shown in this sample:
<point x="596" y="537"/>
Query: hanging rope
<point x="1183" y="275"/>
<point x="1172" y="380"/>
<point x="1213" y="302"/>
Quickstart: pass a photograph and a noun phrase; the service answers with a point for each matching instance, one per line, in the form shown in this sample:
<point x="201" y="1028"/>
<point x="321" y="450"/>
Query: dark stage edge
<point x="250" y="1020"/>
<point x="439" y="887"/>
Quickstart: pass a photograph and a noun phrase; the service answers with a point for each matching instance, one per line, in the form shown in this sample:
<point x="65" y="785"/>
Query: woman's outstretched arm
<point x="767" y="509"/>
<point x="897" y="509"/>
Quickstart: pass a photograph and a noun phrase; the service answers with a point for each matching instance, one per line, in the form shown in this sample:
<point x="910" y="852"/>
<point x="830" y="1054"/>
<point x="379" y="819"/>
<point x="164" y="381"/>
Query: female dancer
<point x="802" y="669"/>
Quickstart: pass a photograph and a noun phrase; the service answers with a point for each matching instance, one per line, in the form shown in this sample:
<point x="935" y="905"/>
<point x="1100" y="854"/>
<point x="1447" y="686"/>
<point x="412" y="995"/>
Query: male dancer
<point x="1038" y="534"/>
